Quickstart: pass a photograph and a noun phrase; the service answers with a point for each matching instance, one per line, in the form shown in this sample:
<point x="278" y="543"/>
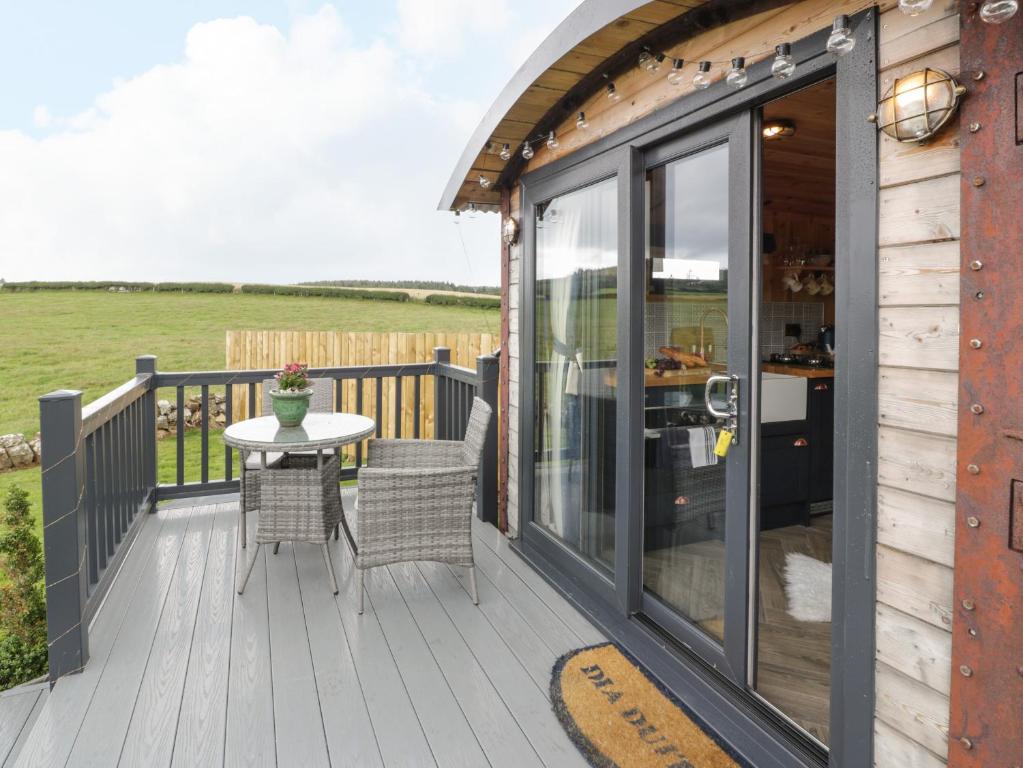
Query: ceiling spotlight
<point x="778" y="129"/>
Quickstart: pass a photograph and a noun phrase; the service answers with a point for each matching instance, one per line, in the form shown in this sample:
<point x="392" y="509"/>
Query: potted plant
<point x="290" y="398"/>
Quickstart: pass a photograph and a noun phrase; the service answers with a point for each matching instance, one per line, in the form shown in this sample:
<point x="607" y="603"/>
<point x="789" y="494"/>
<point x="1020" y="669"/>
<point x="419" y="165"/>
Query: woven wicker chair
<point x="321" y="402"/>
<point x="415" y="501"/>
<point x="300" y="500"/>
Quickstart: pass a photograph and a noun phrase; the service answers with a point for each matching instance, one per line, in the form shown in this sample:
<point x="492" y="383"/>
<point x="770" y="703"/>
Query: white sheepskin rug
<point x="807" y="588"/>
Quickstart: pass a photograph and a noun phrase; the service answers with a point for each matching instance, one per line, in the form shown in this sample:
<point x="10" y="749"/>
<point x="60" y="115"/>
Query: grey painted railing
<point x="99" y="467"/>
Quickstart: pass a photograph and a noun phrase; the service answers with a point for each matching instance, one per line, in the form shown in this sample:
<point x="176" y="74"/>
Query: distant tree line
<point x="422" y="285"/>
<point x="325" y="290"/>
<point x="116" y="285"/>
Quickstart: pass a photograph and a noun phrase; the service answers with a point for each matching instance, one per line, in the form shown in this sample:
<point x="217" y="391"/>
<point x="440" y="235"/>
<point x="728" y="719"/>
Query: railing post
<point x="441" y="356"/>
<point x="487" y="373"/>
<point x="64" y="531"/>
<point x="146" y="365"/>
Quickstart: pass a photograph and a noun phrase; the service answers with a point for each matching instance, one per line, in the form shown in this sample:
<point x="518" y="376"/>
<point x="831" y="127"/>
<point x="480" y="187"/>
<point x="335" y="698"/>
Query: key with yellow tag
<point x="724" y="443"/>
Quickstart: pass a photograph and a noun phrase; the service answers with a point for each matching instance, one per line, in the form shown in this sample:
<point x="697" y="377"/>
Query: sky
<point x="251" y="141"/>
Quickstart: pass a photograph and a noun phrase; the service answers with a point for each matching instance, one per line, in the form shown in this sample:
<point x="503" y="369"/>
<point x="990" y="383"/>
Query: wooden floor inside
<point x="185" y="672"/>
<point x="793" y="657"/>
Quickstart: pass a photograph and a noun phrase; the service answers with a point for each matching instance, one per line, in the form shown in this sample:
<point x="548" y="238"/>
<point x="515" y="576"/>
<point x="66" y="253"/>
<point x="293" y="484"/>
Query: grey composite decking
<point x="19" y="708"/>
<point x="184" y="672"/>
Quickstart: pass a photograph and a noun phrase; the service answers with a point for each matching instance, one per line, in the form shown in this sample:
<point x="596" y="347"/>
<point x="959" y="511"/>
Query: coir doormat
<point x="620" y="718"/>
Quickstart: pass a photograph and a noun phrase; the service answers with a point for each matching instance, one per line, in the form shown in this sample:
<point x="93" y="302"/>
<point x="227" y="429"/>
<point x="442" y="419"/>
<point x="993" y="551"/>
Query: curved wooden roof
<point x="598" y="41"/>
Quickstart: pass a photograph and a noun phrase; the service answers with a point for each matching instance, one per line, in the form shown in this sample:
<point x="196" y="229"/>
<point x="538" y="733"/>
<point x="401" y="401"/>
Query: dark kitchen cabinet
<point x="821" y="417"/>
<point x="785" y="456"/>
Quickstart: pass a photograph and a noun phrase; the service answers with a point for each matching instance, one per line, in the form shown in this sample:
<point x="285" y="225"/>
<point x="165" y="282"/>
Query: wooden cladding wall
<point x="917" y="410"/>
<point x="247" y="350"/>
<point x="918" y="263"/>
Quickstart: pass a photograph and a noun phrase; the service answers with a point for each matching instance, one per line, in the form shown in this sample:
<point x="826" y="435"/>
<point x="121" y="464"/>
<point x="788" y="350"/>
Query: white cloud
<point x="444" y="26"/>
<point x="258" y="156"/>
<point x="41" y="116"/>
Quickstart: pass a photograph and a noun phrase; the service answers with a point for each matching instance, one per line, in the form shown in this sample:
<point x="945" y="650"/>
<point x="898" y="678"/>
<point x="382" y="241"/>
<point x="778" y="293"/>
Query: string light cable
<point x="840" y="42"/>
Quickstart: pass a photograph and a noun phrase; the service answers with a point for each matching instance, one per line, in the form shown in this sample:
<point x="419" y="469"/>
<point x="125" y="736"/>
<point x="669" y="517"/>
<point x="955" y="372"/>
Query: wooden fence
<point x="273" y="349"/>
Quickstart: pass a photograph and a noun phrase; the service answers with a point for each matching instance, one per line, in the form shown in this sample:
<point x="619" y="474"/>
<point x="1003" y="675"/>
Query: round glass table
<point x="318" y="432"/>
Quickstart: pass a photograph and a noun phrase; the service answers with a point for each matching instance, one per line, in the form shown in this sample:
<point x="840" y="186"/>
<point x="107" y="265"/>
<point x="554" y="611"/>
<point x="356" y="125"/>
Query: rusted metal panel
<point x="987" y="646"/>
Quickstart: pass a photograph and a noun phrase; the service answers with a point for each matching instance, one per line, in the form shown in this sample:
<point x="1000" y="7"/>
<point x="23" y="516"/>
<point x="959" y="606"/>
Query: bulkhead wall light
<point x="918" y="105"/>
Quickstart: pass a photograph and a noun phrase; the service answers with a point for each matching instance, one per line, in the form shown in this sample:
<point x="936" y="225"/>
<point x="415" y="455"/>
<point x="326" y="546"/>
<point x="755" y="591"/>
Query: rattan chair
<point x="322" y="401"/>
<point x="415" y="501"/>
<point x="300" y="501"/>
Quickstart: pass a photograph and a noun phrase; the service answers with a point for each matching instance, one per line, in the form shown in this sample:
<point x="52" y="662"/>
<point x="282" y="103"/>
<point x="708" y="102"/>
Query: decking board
<point x="186" y="672"/>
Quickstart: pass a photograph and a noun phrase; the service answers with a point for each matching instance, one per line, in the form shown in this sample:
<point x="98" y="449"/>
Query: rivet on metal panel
<point x="977" y="408"/>
<point x="976" y="265"/>
<point x="978" y="181"/>
<point x="973" y="522"/>
<point x="969" y="605"/>
<point x="973" y="469"/>
<point x="976" y="343"/>
<point x="974" y="127"/>
<point x="965" y="671"/>
<point x="966" y="742"/>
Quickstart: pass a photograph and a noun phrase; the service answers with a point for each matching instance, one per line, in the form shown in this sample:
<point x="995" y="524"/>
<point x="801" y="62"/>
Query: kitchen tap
<point x="703" y="317"/>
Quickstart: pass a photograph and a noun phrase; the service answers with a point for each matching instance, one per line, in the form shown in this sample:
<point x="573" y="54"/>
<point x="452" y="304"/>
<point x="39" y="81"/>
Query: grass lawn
<point x="88" y="340"/>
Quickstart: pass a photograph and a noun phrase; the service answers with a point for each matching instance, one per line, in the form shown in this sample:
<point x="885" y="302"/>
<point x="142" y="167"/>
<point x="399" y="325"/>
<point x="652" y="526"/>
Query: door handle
<point x="731" y="416"/>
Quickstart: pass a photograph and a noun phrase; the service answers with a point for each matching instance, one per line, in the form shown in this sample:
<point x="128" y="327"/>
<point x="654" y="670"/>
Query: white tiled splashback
<point x="775" y="314"/>
<point x="662" y="316"/>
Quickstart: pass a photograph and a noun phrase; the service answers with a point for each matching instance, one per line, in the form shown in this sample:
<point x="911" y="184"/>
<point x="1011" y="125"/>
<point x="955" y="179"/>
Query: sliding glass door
<point x="695" y="395"/>
<point x="576" y="352"/>
<point x="636" y="377"/>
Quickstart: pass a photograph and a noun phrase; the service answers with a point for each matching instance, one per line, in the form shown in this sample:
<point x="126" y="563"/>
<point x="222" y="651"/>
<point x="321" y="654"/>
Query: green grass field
<point x="89" y="340"/>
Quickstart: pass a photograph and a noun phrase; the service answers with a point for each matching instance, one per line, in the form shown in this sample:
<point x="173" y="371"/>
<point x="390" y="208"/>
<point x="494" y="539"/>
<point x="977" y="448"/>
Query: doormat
<point x="619" y="717"/>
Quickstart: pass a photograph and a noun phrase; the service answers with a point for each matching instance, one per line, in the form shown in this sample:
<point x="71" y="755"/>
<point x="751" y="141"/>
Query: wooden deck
<point x="185" y="672"/>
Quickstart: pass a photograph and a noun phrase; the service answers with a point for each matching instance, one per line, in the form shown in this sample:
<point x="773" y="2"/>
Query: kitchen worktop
<point x="805" y="371"/>
<point x="674" y="378"/>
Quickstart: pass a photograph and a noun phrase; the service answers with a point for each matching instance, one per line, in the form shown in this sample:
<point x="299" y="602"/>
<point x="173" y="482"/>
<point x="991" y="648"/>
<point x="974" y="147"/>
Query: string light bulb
<point x="505" y="153"/>
<point x="527" y="151"/>
<point x="552" y="141"/>
<point x="737" y="76"/>
<point x="649" y="60"/>
<point x="841" y="41"/>
<point x="783" y="65"/>
<point x="701" y="80"/>
<point x="612" y="92"/>
<point x="484" y="182"/>
<point x="914" y="7"/>
<point x="675" y="76"/>
<point x="998" y="11"/>
<point x="581" y="122"/>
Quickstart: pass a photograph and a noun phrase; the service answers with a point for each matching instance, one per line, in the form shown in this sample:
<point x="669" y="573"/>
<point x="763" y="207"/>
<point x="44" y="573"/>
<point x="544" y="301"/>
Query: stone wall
<point x="167" y="416"/>
<point x="18" y="452"/>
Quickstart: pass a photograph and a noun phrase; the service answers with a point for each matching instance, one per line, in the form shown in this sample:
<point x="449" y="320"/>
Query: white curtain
<point x="576" y="237"/>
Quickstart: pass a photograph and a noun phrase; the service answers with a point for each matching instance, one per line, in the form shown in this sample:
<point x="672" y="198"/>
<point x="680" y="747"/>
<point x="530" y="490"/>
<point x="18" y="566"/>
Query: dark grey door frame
<point x="749" y="728"/>
<point x="616" y="163"/>
<point x="729" y="657"/>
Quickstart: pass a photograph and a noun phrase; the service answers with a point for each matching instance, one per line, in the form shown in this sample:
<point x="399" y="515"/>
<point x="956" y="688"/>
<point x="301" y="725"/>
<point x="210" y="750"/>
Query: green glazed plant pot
<point x="290" y="407"/>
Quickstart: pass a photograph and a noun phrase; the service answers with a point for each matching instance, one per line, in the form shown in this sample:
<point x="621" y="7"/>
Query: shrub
<point x="325" y="291"/>
<point x="445" y="299"/>
<point x="194" y="287"/>
<point x="427" y="285"/>
<point x="22" y="600"/>
<point x="116" y="285"/>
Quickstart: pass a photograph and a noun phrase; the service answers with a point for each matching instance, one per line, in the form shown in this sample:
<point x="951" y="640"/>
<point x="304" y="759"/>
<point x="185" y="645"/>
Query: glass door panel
<point x="576" y="351"/>
<point x="696" y="360"/>
<point x="685" y="342"/>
